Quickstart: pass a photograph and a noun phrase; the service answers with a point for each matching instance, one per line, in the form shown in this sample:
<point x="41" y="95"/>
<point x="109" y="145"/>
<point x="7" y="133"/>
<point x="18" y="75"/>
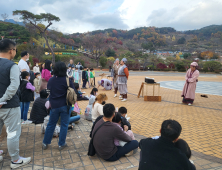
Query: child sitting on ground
<point x="79" y="93"/>
<point x="37" y="84"/>
<point x="39" y="109"/>
<point x="118" y="121"/>
<point x="183" y="146"/>
<point x="123" y="112"/>
<point x="88" y="111"/>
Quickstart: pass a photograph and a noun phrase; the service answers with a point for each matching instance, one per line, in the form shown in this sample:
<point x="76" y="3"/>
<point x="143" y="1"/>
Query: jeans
<point x="24" y="110"/>
<point x="36" y="95"/>
<point x="54" y="117"/>
<point x="84" y="83"/>
<point x="124" y="150"/>
<point x="74" y="119"/>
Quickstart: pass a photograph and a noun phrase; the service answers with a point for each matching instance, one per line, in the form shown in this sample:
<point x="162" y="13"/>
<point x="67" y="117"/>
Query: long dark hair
<point x="47" y="65"/>
<point x="93" y="90"/>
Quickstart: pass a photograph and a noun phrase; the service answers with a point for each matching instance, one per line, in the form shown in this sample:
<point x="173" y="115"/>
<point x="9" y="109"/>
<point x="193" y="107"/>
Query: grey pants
<point x="80" y="78"/>
<point x="12" y="119"/>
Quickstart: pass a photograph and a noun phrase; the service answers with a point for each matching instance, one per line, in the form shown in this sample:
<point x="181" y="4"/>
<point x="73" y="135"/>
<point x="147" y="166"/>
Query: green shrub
<point x="212" y="66"/>
<point x="103" y="61"/>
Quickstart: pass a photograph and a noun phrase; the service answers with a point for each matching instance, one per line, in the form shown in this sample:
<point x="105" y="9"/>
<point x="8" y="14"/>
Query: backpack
<point x="71" y="97"/>
<point x="81" y="67"/>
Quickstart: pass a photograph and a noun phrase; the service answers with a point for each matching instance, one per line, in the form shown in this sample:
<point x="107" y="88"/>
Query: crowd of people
<point x="111" y="132"/>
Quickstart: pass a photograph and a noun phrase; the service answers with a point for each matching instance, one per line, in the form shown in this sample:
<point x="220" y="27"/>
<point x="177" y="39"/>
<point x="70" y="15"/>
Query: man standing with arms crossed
<point x="10" y="113"/>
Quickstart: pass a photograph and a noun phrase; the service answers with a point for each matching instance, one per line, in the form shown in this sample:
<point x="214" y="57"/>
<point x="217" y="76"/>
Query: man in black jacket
<point x="161" y="153"/>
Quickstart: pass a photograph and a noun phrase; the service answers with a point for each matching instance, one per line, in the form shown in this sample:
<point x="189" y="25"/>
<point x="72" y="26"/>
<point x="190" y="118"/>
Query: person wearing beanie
<point x="123" y="75"/>
<point x="189" y="88"/>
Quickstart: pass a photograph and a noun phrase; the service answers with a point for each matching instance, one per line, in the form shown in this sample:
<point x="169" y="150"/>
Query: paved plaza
<point x="201" y="123"/>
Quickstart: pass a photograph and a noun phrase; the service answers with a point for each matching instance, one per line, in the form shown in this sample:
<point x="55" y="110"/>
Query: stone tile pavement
<point x="201" y="129"/>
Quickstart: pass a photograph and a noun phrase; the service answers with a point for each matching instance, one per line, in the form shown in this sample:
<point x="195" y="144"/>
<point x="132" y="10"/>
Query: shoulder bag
<point x="91" y="150"/>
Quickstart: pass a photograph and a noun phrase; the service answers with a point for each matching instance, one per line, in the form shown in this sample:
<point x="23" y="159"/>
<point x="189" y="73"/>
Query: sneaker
<point x="124" y="100"/>
<point x="129" y="154"/>
<point x="121" y="97"/>
<point x="26" y="122"/>
<point x="44" y="146"/>
<point x="1" y="158"/>
<point x="189" y="104"/>
<point x="62" y="147"/>
<point x="21" y="162"/>
<point x="115" y="95"/>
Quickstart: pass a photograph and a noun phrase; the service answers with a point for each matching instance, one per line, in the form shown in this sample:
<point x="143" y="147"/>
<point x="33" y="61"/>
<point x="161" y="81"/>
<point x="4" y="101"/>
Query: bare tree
<point x="4" y="16"/>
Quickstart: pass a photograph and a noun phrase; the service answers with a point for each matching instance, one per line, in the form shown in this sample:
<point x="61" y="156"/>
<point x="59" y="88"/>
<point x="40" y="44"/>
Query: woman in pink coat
<point x="189" y="88"/>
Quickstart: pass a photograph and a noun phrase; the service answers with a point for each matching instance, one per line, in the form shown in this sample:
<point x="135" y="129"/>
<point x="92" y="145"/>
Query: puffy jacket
<point x="88" y="114"/>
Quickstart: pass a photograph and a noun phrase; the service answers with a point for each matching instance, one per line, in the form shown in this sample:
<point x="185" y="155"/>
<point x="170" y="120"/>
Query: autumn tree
<point x="4" y="16"/>
<point x="97" y="46"/>
<point x="207" y="54"/>
<point x="34" y="20"/>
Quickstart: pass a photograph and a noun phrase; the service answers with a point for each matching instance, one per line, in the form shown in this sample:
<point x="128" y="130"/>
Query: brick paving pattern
<point x="201" y="124"/>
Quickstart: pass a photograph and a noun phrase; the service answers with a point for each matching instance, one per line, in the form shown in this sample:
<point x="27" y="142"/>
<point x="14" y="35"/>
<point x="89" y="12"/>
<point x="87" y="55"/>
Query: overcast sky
<point x="87" y="15"/>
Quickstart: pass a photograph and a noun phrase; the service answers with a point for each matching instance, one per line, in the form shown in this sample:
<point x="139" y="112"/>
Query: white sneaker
<point x="189" y="104"/>
<point x="124" y="100"/>
<point x="121" y="97"/>
<point x="1" y="158"/>
<point x="21" y="162"/>
<point x="26" y="122"/>
<point x="115" y="95"/>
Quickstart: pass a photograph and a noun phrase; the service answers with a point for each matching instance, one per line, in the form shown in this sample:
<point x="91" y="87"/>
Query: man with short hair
<point x="9" y="102"/>
<point x="23" y="66"/>
<point x="71" y="64"/>
<point x="161" y="153"/>
<point x="103" y="140"/>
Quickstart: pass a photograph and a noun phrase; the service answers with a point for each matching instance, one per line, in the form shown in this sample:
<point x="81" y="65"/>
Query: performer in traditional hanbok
<point x="116" y="67"/>
<point x="107" y="84"/>
<point x="123" y="75"/>
<point x="189" y="88"/>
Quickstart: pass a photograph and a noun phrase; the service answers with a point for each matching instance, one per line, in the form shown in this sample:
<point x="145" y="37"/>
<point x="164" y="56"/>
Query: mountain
<point x="206" y="31"/>
<point x="14" y="22"/>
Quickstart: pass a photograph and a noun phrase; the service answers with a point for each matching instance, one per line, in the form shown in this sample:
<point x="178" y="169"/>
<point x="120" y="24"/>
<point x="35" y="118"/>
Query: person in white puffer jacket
<point x="88" y="114"/>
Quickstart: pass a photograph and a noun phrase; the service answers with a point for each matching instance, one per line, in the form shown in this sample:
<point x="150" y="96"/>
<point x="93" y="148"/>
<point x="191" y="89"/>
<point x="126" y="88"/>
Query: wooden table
<point x="150" y="98"/>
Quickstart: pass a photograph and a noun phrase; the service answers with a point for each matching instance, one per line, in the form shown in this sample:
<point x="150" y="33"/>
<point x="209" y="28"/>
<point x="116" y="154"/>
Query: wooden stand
<point x="149" y="97"/>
